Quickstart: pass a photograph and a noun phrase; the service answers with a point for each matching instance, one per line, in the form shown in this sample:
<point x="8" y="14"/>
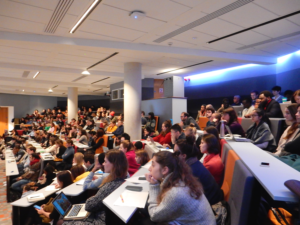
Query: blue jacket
<point x="119" y="131"/>
<point x="68" y="155"/>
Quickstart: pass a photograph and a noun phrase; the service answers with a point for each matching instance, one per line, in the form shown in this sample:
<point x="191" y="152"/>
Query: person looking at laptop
<point x="230" y="118"/>
<point x="115" y="163"/>
<point x="260" y="132"/>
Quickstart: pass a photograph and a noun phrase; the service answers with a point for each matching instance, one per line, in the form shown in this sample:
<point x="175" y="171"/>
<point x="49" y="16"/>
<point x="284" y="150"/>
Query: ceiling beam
<point x="25" y="37"/>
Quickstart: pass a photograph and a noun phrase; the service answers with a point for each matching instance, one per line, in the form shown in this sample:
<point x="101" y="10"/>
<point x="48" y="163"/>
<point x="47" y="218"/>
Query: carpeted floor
<point x="5" y="208"/>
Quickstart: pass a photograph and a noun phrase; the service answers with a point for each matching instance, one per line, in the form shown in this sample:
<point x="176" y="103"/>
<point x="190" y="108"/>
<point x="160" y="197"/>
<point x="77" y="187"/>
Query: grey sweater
<point x="179" y="207"/>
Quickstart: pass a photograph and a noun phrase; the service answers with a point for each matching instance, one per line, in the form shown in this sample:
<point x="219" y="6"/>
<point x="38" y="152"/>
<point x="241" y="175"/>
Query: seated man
<point x="120" y="129"/>
<point x="209" y="112"/>
<point x="236" y="100"/>
<point x="18" y="152"/>
<point x="225" y="105"/>
<point x="176" y="134"/>
<point x="186" y="120"/>
<point x="254" y="96"/>
<point x="276" y="92"/>
<point x="270" y="106"/>
<point x="248" y="108"/>
<point x="25" y="162"/>
<point x="144" y="120"/>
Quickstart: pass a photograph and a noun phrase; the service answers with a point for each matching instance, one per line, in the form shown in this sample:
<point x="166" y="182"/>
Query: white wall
<point x="24" y="104"/>
<point x="179" y="105"/>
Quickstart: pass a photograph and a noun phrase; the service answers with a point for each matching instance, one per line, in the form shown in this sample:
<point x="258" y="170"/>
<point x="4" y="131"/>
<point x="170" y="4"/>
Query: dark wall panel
<point x="87" y="103"/>
<point x="289" y="80"/>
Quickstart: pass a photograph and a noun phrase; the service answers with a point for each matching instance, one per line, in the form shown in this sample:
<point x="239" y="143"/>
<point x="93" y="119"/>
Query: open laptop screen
<point x="62" y="204"/>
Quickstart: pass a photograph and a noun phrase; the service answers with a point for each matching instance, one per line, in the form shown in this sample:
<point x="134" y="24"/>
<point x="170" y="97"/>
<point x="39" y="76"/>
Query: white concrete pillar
<point x="132" y="99"/>
<point x="72" y="103"/>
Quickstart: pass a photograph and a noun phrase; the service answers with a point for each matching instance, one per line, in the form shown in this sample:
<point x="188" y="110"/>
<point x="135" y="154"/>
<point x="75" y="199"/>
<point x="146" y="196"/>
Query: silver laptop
<point x="237" y="139"/>
<point x="69" y="212"/>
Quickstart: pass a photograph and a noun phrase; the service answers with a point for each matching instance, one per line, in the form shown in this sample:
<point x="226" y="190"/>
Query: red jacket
<point x="132" y="164"/>
<point x="215" y="166"/>
<point x="163" y="139"/>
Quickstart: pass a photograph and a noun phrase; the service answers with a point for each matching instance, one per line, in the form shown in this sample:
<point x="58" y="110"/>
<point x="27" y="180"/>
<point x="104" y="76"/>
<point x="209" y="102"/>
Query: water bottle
<point x="222" y="129"/>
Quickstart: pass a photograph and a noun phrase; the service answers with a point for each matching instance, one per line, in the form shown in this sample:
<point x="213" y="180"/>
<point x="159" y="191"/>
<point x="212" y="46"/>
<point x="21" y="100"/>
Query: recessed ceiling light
<point x="86" y="72"/>
<point x="137" y="15"/>
<point x="50" y="90"/>
<point x="33" y="91"/>
<point x="194" y="37"/>
<point x="35" y="75"/>
<point x="23" y="90"/>
<point x="85" y="15"/>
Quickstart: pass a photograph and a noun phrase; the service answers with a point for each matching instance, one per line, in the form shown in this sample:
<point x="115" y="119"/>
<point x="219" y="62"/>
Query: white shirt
<point x="248" y="111"/>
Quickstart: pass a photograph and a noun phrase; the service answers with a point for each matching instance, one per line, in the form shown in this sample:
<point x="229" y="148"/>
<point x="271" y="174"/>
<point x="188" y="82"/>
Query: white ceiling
<point x="61" y="57"/>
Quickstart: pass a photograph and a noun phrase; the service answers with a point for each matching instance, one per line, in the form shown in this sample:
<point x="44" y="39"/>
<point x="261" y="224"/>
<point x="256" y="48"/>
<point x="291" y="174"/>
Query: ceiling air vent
<point x="58" y="14"/>
<point x="79" y="78"/>
<point x="205" y="19"/>
<point x="25" y="74"/>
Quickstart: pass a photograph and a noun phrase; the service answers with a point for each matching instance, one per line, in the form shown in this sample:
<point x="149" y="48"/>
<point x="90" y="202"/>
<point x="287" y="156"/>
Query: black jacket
<point x="273" y="109"/>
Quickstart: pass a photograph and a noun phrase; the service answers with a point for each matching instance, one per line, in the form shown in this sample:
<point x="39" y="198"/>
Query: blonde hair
<point x="78" y="158"/>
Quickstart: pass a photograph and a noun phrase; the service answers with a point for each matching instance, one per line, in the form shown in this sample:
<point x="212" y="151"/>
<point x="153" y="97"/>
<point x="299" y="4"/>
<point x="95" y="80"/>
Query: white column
<point x="132" y="99"/>
<point x="72" y="103"/>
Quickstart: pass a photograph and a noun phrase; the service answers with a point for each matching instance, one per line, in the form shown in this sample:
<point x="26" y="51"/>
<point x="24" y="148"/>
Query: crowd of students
<point x="183" y="185"/>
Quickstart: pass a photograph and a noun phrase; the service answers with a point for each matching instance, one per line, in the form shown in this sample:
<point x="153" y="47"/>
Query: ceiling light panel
<point x="36" y="74"/>
<point x="85" y="15"/>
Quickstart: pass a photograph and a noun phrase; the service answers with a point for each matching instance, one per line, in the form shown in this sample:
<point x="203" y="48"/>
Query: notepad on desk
<point x="132" y="198"/>
<point x="139" y="180"/>
<point x="51" y="188"/>
<point x="35" y="197"/>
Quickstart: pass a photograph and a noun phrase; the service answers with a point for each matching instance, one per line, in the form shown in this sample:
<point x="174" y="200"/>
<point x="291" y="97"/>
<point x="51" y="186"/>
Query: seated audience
<point x="25" y="162"/>
<point x="201" y="112"/>
<point x="89" y="161"/>
<point x="209" y="112"/>
<point x="176" y="134"/>
<point x="230" y="118"/>
<point x="82" y="137"/>
<point x="225" y="105"/>
<point x="276" y="92"/>
<point x="18" y="152"/>
<point x="292" y="147"/>
<point x="151" y="122"/>
<point x="31" y="175"/>
<point x="128" y="150"/>
<point x="288" y="94"/>
<point x="187" y="151"/>
<point x="78" y="160"/>
<point x="111" y="127"/>
<point x="27" y="190"/>
<point x="291" y="131"/>
<point x="116" y="165"/>
<point x="45" y="180"/>
<point x="144" y="120"/>
<point x="216" y="119"/>
<point x="165" y="135"/>
<point x="147" y="133"/>
<point x="76" y="171"/>
<point x="270" y="106"/>
<point x="117" y="142"/>
<point x="68" y="155"/>
<point x="296" y="97"/>
<point x="138" y="145"/>
<point x="248" y="108"/>
<point x="186" y="120"/>
<point x="124" y="137"/>
<point x="120" y="129"/>
<point x="97" y="147"/>
<point x="212" y="161"/>
<point x="236" y="100"/>
<point x="141" y="157"/>
<point x="260" y="132"/>
<point x="175" y="195"/>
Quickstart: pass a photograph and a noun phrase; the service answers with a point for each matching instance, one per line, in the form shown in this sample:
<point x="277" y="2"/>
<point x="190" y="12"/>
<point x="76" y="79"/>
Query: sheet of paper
<point x="51" y="188"/>
<point x="147" y="166"/>
<point x="81" y="182"/>
<point x="132" y="198"/>
<point x="136" y="180"/>
<point x="168" y="150"/>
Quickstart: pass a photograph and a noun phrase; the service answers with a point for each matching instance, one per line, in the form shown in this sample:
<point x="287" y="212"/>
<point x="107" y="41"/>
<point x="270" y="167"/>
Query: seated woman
<point x="61" y="148"/>
<point x="175" y="195"/>
<point x="97" y="147"/>
<point x="147" y="132"/>
<point x="64" y="179"/>
<point x="142" y="157"/>
<point x="187" y="151"/>
<point x="52" y="128"/>
<point x="201" y="112"/>
<point x="82" y="137"/>
<point x="260" y="133"/>
<point x="127" y="148"/>
<point x="292" y="147"/>
<point x="165" y="135"/>
<point x="116" y="165"/>
<point x="216" y="118"/>
<point x="151" y="122"/>
<point x="31" y="175"/>
<point x="117" y="142"/>
<point x="112" y="127"/>
<point x="291" y="131"/>
<point x="76" y="171"/>
<point x="212" y="161"/>
<point x="229" y="115"/>
<point x="78" y="160"/>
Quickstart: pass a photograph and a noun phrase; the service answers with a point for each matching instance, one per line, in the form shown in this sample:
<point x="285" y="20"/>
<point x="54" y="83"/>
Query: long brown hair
<point x="213" y="145"/>
<point x="144" y="157"/>
<point x="232" y="115"/>
<point x="168" y="125"/>
<point x="120" y="165"/>
<point x="65" y="177"/>
<point x="180" y="172"/>
<point x="77" y="170"/>
<point x="293" y="110"/>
